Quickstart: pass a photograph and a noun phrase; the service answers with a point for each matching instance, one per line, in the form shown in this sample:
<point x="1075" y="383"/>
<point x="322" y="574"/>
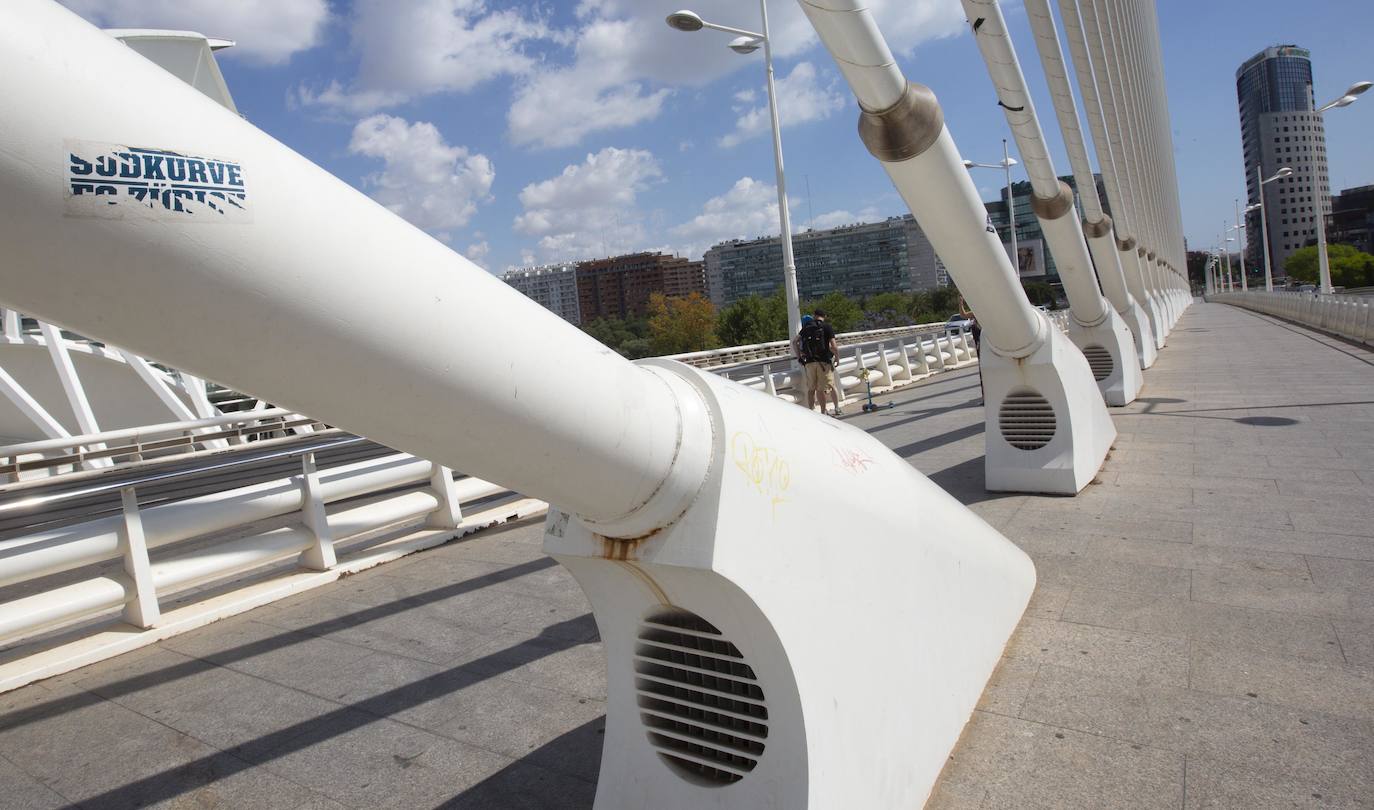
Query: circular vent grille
<point x="1027" y="420"/>
<point x="700" y="702"/>
<point x="1100" y="361"/>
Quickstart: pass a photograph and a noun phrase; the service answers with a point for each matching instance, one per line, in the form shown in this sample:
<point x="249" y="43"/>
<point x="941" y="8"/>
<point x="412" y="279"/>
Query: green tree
<point x="840" y="310"/>
<point x="752" y="320"/>
<point x="1039" y="293"/>
<point x="1350" y="267"/>
<point x="678" y="325"/>
<point x="628" y="337"/>
<point x="887" y="309"/>
<point x="944" y="302"/>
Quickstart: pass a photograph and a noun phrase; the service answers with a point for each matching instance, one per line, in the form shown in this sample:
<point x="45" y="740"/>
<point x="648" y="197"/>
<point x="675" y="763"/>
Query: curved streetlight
<point x="1264" y="226"/>
<point x="1352" y="94"/>
<point x="746" y="42"/>
<point x="1240" y="226"/>
<point x="1007" y="162"/>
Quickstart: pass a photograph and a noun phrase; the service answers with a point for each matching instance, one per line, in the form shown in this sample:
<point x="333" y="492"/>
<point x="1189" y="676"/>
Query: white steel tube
<point x="1100" y="237"/>
<point x="1264" y="231"/>
<point x="54" y="550"/>
<point x="1120" y="128"/>
<point x="1242" y="243"/>
<point x="1051" y="200"/>
<point x="933" y="180"/>
<point x="1011" y="211"/>
<point x="789" y="265"/>
<point x="1085" y="67"/>
<point x="140" y="434"/>
<point x="462" y="374"/>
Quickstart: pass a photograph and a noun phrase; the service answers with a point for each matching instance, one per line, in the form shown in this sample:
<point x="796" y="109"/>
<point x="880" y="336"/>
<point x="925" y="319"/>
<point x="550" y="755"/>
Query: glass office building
<point x="1278" y="128"/>
<point x="858" y="260"/>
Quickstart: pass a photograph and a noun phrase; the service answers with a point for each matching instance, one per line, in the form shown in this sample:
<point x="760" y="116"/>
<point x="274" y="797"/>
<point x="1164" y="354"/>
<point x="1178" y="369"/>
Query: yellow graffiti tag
<point x="763" y="468"/>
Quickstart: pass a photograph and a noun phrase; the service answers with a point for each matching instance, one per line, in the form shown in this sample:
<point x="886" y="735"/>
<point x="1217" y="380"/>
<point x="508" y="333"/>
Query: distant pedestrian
<point x="817" y="351"/>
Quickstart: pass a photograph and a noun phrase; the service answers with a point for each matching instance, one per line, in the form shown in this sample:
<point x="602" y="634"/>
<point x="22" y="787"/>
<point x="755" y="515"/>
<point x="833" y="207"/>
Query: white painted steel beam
<point x="30" y="407"/>
<point x="1097" y="226"/>
<point x="635" y="436"/>
<point x="1094" y="327"/>
<point x="1073" y="430"/>
<point x="686" y="501"/>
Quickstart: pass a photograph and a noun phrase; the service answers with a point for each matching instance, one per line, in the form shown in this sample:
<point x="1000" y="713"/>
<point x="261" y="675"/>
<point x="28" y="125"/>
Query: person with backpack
<point x="817" y="351"/>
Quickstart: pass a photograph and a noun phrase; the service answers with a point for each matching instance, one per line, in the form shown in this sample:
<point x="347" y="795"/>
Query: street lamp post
<point x="1240" y="226"/>
<point x="1264" y="225"/>
<point x="1007" y="162"/>
<point x="744" y="43"/>
<point x="1352" y="93"/>
<point x="1226" y="248"/>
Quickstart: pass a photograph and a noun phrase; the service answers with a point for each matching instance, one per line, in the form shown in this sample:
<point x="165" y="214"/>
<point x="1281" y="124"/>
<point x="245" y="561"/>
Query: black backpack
<point x="814" y="346"/>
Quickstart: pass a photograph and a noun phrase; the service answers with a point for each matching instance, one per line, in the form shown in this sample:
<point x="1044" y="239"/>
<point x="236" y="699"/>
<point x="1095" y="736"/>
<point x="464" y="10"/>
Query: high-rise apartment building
<point x="1278" y="128"/>
<point x="858" y="260"/>
<point x="554" y="286"/>
<point x="1352" y="219"/>
<point x="620" y="286"/>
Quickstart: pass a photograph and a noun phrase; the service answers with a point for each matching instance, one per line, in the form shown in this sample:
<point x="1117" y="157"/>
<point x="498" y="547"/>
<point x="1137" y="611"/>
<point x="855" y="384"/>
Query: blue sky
<point x="534" y="132"/>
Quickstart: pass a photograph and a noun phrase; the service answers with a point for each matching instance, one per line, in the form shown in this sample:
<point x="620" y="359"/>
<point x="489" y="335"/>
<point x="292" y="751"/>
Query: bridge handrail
<point x="780" y="349"/>
<point x="1349" y="317"/>
<point x="137" y="442"/>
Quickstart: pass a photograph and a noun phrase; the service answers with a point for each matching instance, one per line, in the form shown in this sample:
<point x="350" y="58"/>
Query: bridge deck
<point x="1202" y="634"/>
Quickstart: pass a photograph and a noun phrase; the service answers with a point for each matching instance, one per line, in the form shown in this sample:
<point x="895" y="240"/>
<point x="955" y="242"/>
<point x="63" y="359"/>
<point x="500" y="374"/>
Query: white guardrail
<point x="296" y="533"/>
<point x="242" y="429"/>
<point x="1348" y="316"/>
<point x="69" y="594"/>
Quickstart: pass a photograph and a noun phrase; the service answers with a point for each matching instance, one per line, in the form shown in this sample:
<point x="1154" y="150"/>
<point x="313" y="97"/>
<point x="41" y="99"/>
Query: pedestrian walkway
<point x="1202" y="634"/>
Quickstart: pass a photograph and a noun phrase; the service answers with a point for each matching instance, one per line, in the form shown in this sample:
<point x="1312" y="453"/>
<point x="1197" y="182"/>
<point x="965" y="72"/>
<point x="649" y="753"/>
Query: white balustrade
<point x="1346" y="316"/>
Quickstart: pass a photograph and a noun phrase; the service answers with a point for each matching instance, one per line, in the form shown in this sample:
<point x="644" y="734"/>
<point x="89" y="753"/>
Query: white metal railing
<point x="714" y="359"/>
<point x="1349" y="317"/>
<point x="892" y="363"/>
<point x="53" y="456"/>
<point x="134" y="561"/>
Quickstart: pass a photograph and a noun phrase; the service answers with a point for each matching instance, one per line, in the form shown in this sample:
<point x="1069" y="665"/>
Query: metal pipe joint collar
<point x="1102" y="227"/>
<point x="1056" y="206"/>
<point x="904" y="130"/>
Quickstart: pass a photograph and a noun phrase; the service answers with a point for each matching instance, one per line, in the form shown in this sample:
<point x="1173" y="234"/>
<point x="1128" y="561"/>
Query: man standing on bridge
<point x="816" y="350"/>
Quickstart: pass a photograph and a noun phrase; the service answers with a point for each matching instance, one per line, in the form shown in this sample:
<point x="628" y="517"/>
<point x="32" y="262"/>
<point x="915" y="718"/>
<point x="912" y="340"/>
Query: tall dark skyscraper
<point x="1279" y="128"/>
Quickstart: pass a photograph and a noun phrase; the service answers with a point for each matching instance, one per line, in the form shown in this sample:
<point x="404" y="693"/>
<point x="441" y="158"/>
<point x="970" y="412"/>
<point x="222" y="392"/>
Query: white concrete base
<point x="846" y="643"/>
<point x="1071" y="421"/>
<point x="1159" y="324"/>
<point x="1141" y="335"/>
<point x="1118" y="369"/>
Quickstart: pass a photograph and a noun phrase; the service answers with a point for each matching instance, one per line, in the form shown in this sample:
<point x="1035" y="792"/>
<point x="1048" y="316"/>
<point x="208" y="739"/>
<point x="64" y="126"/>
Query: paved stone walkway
<point x="1202" y="634"/>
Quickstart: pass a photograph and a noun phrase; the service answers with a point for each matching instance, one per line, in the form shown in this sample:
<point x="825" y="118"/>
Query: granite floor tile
<point x="1006" y="763"/>
<point x="1336" y="689"/>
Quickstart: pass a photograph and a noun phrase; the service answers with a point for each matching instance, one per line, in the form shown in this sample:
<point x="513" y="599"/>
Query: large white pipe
<point x="903" y="127"/>
<point x="1096" y="223"/>
<point x="1141" y="79"/>
<point x="272" y="279"/>
<point x="1115" y="110"/>
<point x="1051" y="199"/>
<point x="1108" y="162"/>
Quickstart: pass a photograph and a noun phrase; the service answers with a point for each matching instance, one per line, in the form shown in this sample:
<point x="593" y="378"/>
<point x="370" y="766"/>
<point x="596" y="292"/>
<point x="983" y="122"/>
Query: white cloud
<point x="597" y="92"/>
<point x="433" y="185"/>
<point x="623" y="50"/>
<point x="477" y="253"/>
<point x="590" y="207"/>
<point x="801" y="98"/>
<point x="833" y="219"/>
<point x="414" y="48"/>
<point x="267" y="31"/>
<point x="748" y="210"/>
